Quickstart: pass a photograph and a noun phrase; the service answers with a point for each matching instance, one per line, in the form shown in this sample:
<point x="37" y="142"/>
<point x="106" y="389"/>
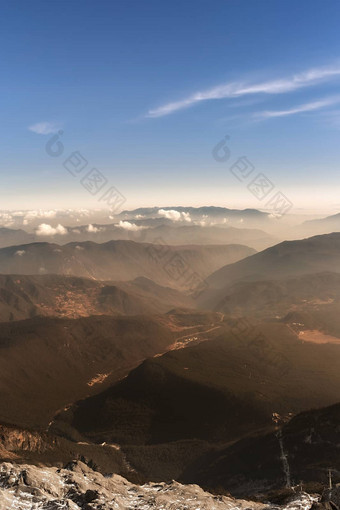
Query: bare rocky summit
<point x="78" y="487"/>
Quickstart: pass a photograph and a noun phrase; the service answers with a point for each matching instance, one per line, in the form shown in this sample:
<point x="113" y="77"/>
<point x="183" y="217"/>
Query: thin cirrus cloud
<point x="44" y="128"/>
<point x="307" y="107"/>
<point x="238" y="89"/>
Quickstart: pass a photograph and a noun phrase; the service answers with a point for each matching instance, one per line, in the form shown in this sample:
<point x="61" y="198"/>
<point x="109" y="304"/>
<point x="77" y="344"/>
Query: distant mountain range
<point x="334" y="220"/>
<point x="212" y="211"/>
<point x="325" y="225"/>
<point x="196" y="234"/>
<point x="122" y="261"/>
<point x="152" y="230"/>
<point x="288" y="259"/>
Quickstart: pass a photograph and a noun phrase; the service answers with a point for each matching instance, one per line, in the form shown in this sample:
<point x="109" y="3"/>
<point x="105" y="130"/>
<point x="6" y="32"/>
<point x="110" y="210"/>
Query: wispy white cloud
<point x="44" y="128"/>
<point x="126" y="225"/>
<point x="46" y="230"/>
<point x="92" y="229"/>
<point x="172" y="214"/>
<point x="238" y="89"/>
<point x="307" y="107"/>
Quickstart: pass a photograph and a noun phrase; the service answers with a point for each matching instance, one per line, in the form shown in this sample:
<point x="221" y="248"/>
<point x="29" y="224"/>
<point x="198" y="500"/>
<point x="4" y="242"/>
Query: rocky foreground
<point x="27" y="487"/>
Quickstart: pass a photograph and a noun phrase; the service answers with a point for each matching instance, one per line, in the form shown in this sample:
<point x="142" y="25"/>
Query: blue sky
<point x="145" y="90"/>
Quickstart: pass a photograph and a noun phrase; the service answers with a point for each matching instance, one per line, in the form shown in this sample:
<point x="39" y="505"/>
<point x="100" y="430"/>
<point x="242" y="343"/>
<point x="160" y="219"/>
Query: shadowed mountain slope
<point x="46" y="364"/>
<point x="309" y="440"/>
<point x="217" y="390"/>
